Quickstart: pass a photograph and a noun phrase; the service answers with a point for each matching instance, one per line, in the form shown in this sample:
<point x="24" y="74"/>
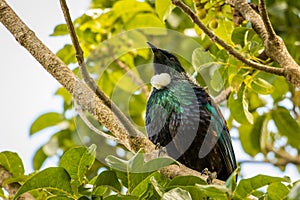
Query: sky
<point x="27" y="89"/>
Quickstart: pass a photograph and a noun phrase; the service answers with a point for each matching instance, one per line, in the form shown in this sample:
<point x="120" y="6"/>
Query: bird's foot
<point x="211" y="175"/>
<point x="162" y="151"/>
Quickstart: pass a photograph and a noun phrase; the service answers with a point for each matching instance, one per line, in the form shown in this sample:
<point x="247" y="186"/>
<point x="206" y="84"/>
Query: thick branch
<point x="274" y="45"/>
<point x="12" y="188"/>
<point x="82" y="94"/>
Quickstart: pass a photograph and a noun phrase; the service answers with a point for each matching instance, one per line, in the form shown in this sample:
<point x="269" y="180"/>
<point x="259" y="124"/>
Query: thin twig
<point x="265" y="17"/>
<point x="228" y="48"/>
<point x="223" y="95"/>
<point x="254" y="162"/>
<point x="92" y="127"/>
<point x="283" y="157"/>
<point x="134" y="78"/>
<point x="88" y="79"/>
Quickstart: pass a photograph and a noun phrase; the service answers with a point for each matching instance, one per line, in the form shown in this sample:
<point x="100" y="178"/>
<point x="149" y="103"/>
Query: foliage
<point x="122" y="181"/>
<point x="263" y="108"/>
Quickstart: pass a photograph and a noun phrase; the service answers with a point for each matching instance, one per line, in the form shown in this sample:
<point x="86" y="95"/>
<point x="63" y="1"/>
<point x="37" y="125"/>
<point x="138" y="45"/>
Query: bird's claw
<point x="211" y="175"/>
<point x="162" y="151"/>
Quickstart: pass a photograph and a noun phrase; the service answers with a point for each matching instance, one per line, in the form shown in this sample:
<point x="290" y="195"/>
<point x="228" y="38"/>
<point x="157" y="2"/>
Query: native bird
<point x="182" y="118"/>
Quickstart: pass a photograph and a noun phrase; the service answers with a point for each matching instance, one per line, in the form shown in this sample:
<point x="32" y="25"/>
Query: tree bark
<point x="12" y="188"/>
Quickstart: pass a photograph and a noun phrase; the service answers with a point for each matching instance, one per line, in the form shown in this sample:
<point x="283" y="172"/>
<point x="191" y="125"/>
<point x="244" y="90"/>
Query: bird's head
<point x="165" y="62"/>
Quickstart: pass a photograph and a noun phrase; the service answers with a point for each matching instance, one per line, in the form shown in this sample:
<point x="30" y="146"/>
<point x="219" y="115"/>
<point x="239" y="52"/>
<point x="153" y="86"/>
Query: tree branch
<point x="89" y="80"/>
<point x="275" y="49"/>
<point x="82" y="94"/>
<point x="223" y="95"/>
<point x="93" y="128"/>
<point x="12" y="188"/>
<point x="228" y="48"/>
<point x="283" y="157"/>
<point x="274" y="45"/>
<point x="265" y="18"/>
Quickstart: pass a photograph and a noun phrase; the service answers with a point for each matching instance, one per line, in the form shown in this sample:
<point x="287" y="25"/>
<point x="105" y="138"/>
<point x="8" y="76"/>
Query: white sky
<point x="27" y="89"/>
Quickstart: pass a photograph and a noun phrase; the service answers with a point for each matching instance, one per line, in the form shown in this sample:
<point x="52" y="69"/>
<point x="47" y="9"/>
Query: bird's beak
<point x="153" y="48"/>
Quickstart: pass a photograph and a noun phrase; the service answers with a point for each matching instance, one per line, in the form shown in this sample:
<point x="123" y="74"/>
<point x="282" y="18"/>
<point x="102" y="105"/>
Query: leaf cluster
<point x="132" y="179"/>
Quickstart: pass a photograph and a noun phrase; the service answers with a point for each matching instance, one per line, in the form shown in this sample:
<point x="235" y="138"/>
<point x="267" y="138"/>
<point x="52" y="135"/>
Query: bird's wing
<point x="218" y="125"/>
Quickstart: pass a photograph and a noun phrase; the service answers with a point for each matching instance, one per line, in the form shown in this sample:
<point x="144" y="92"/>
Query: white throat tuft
<point x="160" y="81"/>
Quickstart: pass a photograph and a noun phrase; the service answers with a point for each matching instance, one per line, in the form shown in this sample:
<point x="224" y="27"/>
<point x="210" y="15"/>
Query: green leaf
<point x="128" y="8"/>
<point x="142" y="185"/>
<point x="295" y="192"/>
<point x="238" y="35"/>
<point x="164" y="8"/>
<point x="238" y="106"/>
<point x="46" y="120"/>
<point x="121" y="197"/>
<point x="224" y="30"/>
<point x="144" y="21"/>
<point x="219" y="192"/>
<point x="158" y="188"/>
<point x="53" y="179"/>
<point x="102" y="3"/>
<point x="261" y="86"/>
<point x="60" y="30"/>
<point x="108" y="178"/>
<point x="117" y="163"/>
<point x="39" y="158"/>
<point x="12" y="162"/>
<point x="255" y="101"/>
<point x="186" y="180"/>
<point x="217" y="81"/>
<point x="201" y="58"/>
<point x="231" y="182"/>
<point x="195" y="192"/>
<point x="277" y="191"/>
<point x="67" y="54"/>
<point x="247" y="186"/>
<point x="281" y="87"/>
<point x="156" y="164"/>
<point x="136" y="163"/>
<point x="250" y="135"/>
<point x="235" y="80"/>
<point x="61" y="198"/>
<point x="287" y="126"/>
<point x="76" y="161"/>
<point x="100" y="191"/>
<point x="177" y="193"/>
<point x="2" y="193"/>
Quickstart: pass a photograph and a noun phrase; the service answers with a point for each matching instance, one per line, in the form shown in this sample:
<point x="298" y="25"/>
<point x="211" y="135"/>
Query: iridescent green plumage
<point x="184" y="119"/>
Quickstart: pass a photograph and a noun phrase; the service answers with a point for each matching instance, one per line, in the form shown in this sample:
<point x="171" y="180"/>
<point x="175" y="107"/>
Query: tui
<point x="183" y="119"/>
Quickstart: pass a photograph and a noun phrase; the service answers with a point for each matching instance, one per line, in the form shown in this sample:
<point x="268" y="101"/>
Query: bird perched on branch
<point x="183" y="118"/>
